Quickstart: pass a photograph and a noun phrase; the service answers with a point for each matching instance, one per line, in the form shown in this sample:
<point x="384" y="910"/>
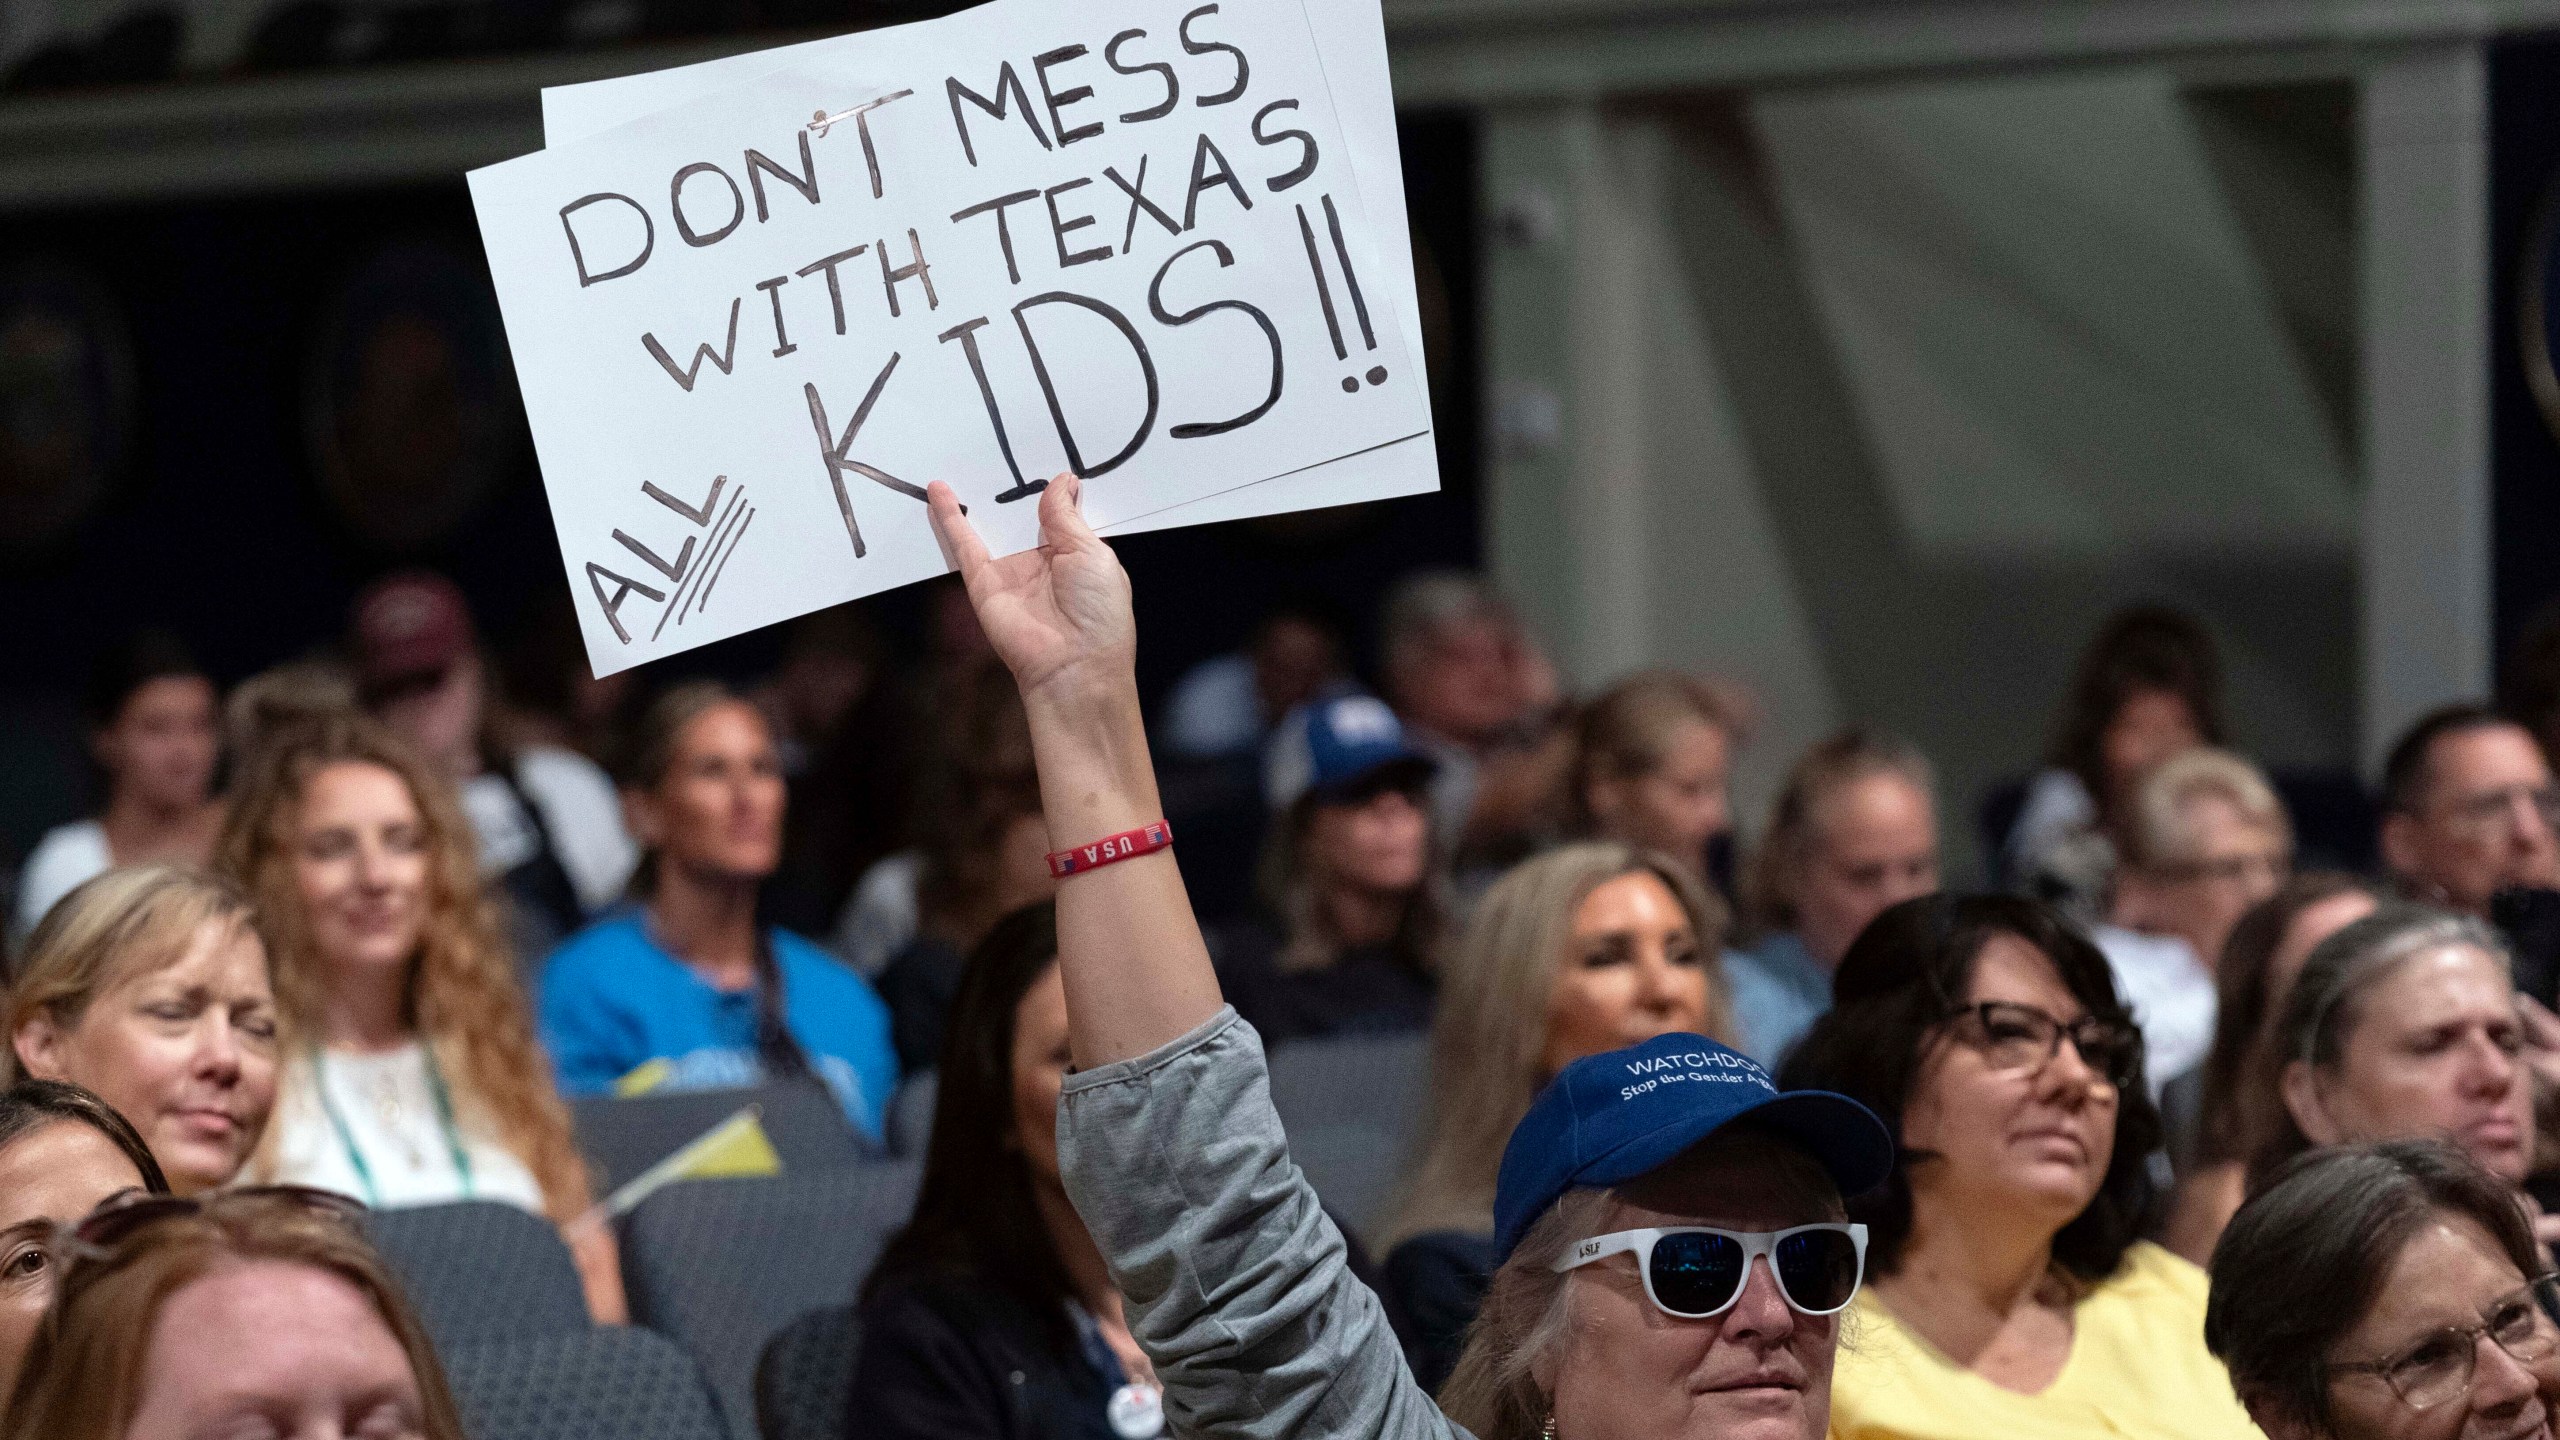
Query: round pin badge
<point x="1137" y="1412"/>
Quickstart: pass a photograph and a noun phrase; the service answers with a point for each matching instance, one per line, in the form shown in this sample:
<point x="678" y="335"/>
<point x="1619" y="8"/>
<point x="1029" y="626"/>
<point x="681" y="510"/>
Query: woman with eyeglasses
<point x="2387" y="1292"/>
<point x="63" y="1152"/>
<point x="2403" y="1025"/>
<point x="2012" y="1295"/>
<point x="249" y="1313"/>
<point x="1671" y="1246"/>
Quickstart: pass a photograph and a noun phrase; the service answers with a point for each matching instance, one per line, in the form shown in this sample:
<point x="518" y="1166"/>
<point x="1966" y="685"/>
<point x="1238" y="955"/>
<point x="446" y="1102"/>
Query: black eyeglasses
<point x="1694" y="1272"/>
<point x="2022" y="1038"/>
<point x="2437" y="1367"/>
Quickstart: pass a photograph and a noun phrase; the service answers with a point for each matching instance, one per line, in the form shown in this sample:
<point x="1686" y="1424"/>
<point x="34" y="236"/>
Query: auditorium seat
<point x="911" y="1114"/>
<point x="721" y="1265"/>
<point x="804" y="1380"/>
<point x="611" y="1383"/>
<point x="626" y="1136"/>
<point x="481" y="1272"/>
<point x="1352" y="1106"/>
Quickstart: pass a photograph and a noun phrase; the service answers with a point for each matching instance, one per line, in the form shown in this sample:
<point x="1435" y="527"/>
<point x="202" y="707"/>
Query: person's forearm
<point x="1137" y="974"/>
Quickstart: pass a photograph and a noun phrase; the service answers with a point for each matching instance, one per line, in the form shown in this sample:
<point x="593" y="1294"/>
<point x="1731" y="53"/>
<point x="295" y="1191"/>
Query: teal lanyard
<point x="347" y="1138"/>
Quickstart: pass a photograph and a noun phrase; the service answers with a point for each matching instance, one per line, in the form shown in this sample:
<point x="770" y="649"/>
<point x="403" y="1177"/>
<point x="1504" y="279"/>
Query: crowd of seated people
<point x="1695" y="1100"/>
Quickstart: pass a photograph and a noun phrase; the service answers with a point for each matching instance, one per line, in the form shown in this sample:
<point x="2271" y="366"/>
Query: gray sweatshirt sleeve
<point x="1234" y="1279"/>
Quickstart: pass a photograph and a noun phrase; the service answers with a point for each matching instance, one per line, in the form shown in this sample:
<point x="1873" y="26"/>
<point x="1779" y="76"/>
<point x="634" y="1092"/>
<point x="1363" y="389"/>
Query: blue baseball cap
<point x="1609" y="1118"/>
<point x="1340" y="746"/>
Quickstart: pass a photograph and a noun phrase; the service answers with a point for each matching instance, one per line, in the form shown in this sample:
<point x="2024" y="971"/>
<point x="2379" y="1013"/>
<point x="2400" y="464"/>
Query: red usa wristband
<point x="1111" y="849"/>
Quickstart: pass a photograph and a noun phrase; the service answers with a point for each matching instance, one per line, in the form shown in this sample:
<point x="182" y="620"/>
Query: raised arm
<point x="1136" y="971"/>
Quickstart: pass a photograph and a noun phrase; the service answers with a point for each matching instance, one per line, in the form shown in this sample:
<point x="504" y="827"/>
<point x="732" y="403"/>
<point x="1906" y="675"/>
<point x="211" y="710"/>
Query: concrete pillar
<point x="1534" y="156"/>
<point x="2422" y="224"/>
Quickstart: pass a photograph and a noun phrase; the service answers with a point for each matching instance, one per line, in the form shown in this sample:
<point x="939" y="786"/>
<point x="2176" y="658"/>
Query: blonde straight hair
<point x="1491" y="1025"/>
<point x="114" y="926"/>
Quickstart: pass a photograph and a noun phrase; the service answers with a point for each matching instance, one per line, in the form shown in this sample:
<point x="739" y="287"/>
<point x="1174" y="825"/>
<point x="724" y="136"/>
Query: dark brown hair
<point x="2303" y="1260"/>
<point x="2145" y="647"/>
<point x="1906" y="975"/>
<point x="33" y="1105"/>
<point x="2238" y="1106"/>
<point x="976" y="1219"/>
<point x="2409" y="771"/>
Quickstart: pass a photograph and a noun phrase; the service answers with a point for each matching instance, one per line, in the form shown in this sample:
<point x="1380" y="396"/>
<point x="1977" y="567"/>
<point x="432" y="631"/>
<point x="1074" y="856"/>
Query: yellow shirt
<point x="2138" y="1370"/>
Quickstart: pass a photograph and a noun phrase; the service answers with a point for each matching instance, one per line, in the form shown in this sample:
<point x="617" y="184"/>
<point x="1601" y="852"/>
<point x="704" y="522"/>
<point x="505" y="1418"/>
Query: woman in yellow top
<point x="2009" y="1296"/>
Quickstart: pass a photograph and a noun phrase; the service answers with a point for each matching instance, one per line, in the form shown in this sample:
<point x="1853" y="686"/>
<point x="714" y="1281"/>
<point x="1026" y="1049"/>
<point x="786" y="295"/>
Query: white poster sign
<point x="1125" y="238"/>
<point x="1351" y="40"/>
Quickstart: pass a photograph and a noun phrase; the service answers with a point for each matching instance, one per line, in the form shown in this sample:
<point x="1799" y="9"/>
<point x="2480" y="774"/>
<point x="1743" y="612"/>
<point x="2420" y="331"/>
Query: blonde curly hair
<point x="464" y="998"/>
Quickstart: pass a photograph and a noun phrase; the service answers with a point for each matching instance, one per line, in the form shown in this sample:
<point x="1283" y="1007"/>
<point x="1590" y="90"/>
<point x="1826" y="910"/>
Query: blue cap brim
<point x="1842" y="1136"/>
<point x="1836" y="1131"/>
<point x="1410" y="770"/>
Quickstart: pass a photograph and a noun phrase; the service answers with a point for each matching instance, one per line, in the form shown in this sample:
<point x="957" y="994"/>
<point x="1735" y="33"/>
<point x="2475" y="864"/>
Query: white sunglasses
<point x="1693" y="1272"/>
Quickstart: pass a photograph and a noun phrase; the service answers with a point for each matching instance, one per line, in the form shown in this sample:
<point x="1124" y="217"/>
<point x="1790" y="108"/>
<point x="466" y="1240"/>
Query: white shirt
<point x="2170" y="993"/>
<point x="579" y="805"/>
<point x="62" y="860"/>
<point x="389" y="1109"/>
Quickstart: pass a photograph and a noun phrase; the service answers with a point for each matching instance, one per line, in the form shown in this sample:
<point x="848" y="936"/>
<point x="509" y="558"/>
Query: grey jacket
<point x="1234" y="1279"/>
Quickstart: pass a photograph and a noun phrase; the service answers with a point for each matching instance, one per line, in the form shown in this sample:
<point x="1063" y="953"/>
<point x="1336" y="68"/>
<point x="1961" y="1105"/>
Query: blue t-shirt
<point x="613" y="1000"/>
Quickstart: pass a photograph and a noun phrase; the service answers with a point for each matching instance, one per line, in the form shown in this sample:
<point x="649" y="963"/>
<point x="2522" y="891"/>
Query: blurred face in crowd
<point x="2450" y="1276"/>
<point x="718" y="810"/>
<point x="2149" y="727"/>
<point x="1468" y="682"/>
<point x="1873" y="844"/>
<point x="440" y="715"/>
<point x="2429" y="1050"/>
<point x="1632" y="970"/>
<point x="1677" y="806"/>
<point x="1291" y="662"/>
<point x="2482" y="821"/>
<point x="2016" y="1130"/>
<point x="186" y="1051"/>
<point x="277" y="1350"/>
<point x="1040" y="1062"/>
<point x="161" y="748"/>
<point x="1380" y="845"/>
<point x="2227" y="863"/>
<point x="360" y="867"/>
<point x="1759" y="1371"/>
<point x="51" y="1175"/>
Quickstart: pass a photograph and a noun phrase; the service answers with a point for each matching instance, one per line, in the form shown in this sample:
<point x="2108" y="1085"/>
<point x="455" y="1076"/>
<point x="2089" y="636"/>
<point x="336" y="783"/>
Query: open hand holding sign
<point x="1058" y="614"/>
<point x="1137" y="972"/>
